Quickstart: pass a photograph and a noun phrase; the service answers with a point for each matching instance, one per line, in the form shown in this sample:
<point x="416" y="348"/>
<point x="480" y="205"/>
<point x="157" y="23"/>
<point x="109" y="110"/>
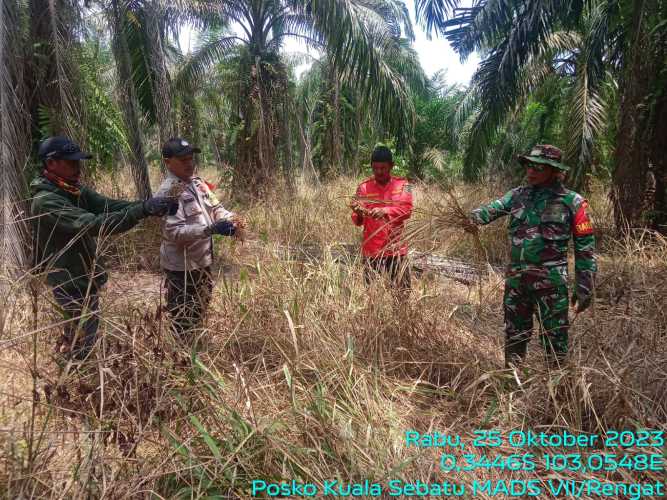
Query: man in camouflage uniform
<point x="543" y="215"/>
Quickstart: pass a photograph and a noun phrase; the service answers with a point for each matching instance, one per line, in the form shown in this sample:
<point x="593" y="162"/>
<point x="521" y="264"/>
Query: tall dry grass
<point x="304" y="372"/>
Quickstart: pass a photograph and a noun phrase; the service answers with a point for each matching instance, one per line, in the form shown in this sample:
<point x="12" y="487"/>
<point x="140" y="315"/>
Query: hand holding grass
<point x="240" y="225"/>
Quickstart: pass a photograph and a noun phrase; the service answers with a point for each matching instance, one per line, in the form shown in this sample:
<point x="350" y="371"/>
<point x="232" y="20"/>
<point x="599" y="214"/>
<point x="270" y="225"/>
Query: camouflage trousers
<point x="541" y="292"/>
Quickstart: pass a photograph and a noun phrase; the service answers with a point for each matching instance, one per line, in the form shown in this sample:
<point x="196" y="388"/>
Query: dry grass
<point x="305" y="373"/>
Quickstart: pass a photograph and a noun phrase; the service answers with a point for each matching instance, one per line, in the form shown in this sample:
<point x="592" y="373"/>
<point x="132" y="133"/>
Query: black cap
<point x="61" y="148"/>
<point x="382" y="154"/>
<point x="178" y="147"/>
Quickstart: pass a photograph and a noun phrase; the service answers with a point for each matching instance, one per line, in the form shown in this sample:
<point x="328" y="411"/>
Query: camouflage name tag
<point x="554" y="213"/>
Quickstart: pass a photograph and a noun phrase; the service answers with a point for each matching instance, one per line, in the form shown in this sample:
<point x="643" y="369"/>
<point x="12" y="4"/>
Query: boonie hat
<point x="546" y="154"/>
<point x="61" y="148"/>
<point x="178" y="147"/>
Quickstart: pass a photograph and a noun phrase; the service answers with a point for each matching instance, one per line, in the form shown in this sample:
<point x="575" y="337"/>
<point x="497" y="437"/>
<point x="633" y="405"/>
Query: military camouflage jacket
<point x="542" y="219"/>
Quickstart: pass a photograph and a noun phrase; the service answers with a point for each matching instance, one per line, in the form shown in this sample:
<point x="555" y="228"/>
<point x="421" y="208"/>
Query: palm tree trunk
<point x="288" y="163"/>
<point x="642" y="134"/>
<point x="256" y="144"/>
<point x="160" y="80"/>
<point x="354" y="168"/>
<point x="189" y="118"/>
<point x="51" y="73"/>
<point x="14" y="143"/>
<point x="308" y="171"/>
<point x="128" y="101"/>
<point x="336" y="129"/>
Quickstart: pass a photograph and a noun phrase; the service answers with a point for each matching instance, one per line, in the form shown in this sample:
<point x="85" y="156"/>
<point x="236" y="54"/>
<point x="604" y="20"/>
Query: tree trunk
<point x="189" y="119"/>
<point x="128" y="100"/>
<point x="355" y="168"/>
<point x="288" y="166"/>
<point x="336" y="155"/>
<point x="330" y="157"/>
<point x="160" y="80"/>
<point x="256" y="144"/>
<point x="642" y="133"/>
<point x="14" y="143"/>
<point x="54" y="100"/>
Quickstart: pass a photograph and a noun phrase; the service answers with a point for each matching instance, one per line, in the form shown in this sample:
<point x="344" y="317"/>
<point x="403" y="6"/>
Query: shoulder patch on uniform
<point x="582" y="225"/>
<point x="407" y="187"/>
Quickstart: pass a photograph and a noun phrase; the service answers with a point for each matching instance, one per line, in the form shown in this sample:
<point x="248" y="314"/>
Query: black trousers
<point x="82" y="314"/>
<point x="395" y="268"/>
<point x="188" y="296"/>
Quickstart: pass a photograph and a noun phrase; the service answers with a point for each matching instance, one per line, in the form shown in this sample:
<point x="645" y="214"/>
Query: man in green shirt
<point x="544" y="215"/>
<point x="67" y="218"/>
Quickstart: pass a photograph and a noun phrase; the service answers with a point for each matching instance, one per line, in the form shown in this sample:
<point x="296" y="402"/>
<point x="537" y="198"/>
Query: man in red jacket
<point x="382" y="205"/>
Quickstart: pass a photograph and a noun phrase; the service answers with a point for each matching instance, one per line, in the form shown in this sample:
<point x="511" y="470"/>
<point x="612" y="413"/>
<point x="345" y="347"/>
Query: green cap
<point x="545" y="154"/>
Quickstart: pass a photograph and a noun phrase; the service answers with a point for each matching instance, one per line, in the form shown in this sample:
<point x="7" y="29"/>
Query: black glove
<point x="160" y="205"/>
<point x="223" y="227"/>
<point x="584" y="302"/>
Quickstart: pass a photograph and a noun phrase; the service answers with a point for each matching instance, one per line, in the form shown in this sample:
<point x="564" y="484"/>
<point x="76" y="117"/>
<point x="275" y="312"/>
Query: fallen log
<point x="420" y="262"/>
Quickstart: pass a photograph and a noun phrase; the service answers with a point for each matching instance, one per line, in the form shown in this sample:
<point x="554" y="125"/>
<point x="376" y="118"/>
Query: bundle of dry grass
<point x="439" y="221"/>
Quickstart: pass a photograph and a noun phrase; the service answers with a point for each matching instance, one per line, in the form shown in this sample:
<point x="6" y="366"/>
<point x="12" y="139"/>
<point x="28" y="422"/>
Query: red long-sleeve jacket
<point x="384" y="237"/>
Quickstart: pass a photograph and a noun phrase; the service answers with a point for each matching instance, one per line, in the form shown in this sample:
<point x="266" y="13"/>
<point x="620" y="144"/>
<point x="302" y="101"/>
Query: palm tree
<point x="154" y="21"/>
<point x="54" y="102"/>
<point x="14" y="139"/>
<point x="596" y="39"/>
<point x="38" y="97"/>
<point x="338" y="118"/>
<point x="118" y="13"/>
<point x="642" y="133"/>
<point x="355" y="34"/>
<point x="528" y="45"/>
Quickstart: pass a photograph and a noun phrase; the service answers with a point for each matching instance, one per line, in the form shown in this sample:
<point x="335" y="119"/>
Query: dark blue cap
<point x="61" y="148"/>
<point x="178" y="147"/>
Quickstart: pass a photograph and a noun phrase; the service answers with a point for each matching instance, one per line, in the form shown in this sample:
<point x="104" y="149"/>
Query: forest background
<point x="586" y="75"/>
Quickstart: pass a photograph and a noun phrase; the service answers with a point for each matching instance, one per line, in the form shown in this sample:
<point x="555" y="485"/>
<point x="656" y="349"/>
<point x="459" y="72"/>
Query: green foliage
<point x="105" y="135"/>
<point x="101" y="127"/>
<point x="605" y="145"/>
<point x="142" y="72"/>
<point x="528" y="45"/>
<point x="45" y="122"/>
<point x="335" y="121"/>
<point x="435" y="131"/>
